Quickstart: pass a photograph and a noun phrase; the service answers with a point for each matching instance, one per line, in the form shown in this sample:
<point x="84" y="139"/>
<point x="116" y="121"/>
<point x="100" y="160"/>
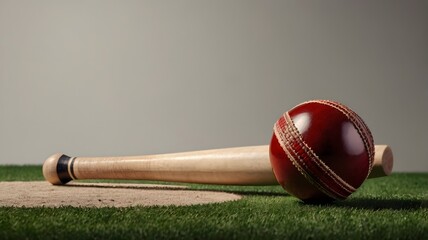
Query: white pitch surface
<point x="40" y="193"/>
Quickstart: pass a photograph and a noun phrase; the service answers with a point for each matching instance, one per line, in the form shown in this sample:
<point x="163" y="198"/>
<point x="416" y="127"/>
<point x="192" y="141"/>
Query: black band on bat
<point x="62" y="169"/>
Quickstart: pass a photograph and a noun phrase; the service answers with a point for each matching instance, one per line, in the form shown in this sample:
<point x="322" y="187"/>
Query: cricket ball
<point x="321" y="151"/>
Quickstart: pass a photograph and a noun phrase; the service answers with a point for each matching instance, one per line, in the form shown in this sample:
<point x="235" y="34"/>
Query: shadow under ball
<point x="321" y="151"/>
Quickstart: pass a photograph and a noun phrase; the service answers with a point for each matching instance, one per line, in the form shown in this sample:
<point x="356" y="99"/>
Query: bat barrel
<point x="383" y="161"/>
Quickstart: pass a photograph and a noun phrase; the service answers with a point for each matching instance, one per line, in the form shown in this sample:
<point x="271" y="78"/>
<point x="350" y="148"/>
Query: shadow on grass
<point x="126" y="186"/>
<point x="249" y="193"/>
<point x="357" y="202"/>
<point x="172" y="188"/>
<point x="381" y="204"/>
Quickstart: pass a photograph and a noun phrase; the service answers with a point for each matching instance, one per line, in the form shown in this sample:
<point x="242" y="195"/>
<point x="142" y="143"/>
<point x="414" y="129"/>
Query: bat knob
<point x="55" y="169"/>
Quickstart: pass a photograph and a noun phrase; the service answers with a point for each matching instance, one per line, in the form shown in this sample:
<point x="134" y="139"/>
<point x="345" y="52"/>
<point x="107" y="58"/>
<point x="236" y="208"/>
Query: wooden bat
<point x="229" y="166"/>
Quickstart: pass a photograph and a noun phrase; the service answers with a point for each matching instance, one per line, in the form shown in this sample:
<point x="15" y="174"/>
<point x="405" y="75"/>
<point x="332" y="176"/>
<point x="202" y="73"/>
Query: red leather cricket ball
<point x="321" y="151"/>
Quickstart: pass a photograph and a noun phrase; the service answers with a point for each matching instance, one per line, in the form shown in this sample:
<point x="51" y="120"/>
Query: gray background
<point x="142" y="77"/>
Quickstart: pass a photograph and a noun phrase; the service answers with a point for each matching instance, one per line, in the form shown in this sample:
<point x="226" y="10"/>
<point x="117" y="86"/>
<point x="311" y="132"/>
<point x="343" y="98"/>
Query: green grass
<point x="386" y="208"/>
<point x="21" y="173"/>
